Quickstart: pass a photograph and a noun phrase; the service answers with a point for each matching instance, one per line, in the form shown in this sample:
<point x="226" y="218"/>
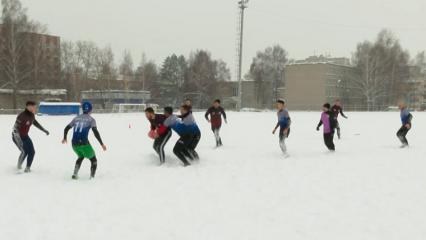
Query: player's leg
<point x="77" y="167"/>
<point x="29" y="150"/>
<point x="18" y="142"/>
<point x="179" y="151"/>
<point x="282" y="143"/>
<point x="93" y="166"/>
<point x="163" y="143"/>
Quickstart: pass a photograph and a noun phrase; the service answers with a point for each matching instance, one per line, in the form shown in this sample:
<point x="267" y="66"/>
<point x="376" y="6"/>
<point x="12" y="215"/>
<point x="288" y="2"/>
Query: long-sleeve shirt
<point x="158" y="124"/>
<point x="406" y="116"/>
<point x="82" y="125"/>
<point x="284" y="120"/>
<point x="337" y="110"/>
<point x="23" y="123"/>
<point x="326" y="122"/>
<point x="216" y="115"/>
<point x="182" y="126"/>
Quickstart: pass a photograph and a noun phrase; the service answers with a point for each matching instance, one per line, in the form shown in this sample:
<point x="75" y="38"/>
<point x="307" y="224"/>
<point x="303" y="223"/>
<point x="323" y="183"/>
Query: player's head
<point x="216" y="103"/>
<point x="337" y="102"/>
<point x="31" y="106"/>
<point x="149" y="113"/>
<point x="280" y="104"/>
<point x="86" y="107"/>
<point x="184" y="109"/>
<point x="326" y="107"/>
<point x="187" y="102"/>
<point x="401" y="105"/>
<point x="168" y="111"/>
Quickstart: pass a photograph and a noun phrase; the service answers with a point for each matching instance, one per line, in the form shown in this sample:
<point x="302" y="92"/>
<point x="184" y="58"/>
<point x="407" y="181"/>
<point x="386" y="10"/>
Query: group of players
<point x="329" y="122"/>
<point x="184" y="125"/>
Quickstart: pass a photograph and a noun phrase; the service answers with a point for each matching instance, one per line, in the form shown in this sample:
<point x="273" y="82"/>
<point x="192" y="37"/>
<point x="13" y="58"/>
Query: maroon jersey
<point x="215" y="116"/>
<point x="158" y="123"/>
<point x="337" y="110"/>
<point x="23" y="123"/>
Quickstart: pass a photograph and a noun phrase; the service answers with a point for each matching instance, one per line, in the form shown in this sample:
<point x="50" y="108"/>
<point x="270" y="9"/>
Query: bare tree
<point x="383" y="67"/>
<point x="267" y="68"/>
<point x="17" y="38"/>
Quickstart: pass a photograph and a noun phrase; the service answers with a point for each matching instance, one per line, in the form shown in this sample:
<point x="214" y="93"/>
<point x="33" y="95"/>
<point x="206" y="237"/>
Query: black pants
<point x="402" y="133"/>
<point x="94" y="166"/>
<point x="216" y="131"/>
<point x="328" y="140"/>
<point x="181" y="149"/>
<point x="195" y="139"/>
<point x="160" y="143"/>
<point x="338" y="129"/>
<point x="25" y="145"/>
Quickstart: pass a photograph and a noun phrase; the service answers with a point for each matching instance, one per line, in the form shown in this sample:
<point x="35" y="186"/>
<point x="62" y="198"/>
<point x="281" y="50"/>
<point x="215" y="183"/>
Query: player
<point x="338" y="109"/>
<point x="327" y="120"/>
<point x="181" y="148"/>
<point x="283" y="123"/>
<point x="193" y="131"/>
<point x="20" y="136"/>
<point x="406" y="119"/>
<point x="80" y="141"/>
<point x="216" y="113"/>
<point x="161" y="133"/>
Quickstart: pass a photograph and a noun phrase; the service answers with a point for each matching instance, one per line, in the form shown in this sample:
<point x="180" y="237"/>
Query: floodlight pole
<point x="242" y="4"/>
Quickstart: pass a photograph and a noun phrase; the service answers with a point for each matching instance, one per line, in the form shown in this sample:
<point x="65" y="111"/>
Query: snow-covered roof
<point x="59" y="104"/>
<point x="53" y="92"/>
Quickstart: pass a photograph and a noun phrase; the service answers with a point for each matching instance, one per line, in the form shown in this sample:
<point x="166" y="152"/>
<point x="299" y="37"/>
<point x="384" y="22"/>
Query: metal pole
<point x="242" y="6"/>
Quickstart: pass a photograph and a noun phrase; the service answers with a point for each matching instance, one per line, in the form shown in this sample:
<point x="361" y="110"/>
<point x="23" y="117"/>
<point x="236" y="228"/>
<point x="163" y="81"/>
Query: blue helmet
<point x="87" y="107"/>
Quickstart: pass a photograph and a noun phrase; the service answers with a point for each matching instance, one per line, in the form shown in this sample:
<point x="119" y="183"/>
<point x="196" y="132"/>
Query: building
<point x="38" y="66"/>
<point x="309" y="85"/>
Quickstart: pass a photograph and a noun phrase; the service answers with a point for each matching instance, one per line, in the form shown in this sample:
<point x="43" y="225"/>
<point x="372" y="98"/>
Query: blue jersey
<point x="189" y="121"/>
<point x="81" y="127"/>
<point x="406" y="116"/>
<point x="181" y="127"/>
<point x="283" y="119"/>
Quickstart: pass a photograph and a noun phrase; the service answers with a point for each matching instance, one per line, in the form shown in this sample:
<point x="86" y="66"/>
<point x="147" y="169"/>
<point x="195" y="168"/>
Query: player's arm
<point x="319" y="125"/>
<point x="206" y="116"/>
<point x="66" y="130"/>
<point x="224" y="114"/>
<point x="38" y="125"/>
<point x="341" y="112"/>
<point x="97" y="135"/>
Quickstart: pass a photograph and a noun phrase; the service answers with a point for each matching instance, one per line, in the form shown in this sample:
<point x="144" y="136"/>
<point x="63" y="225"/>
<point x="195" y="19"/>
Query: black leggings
<point x="94" y="166"/>
<point x="328" y="140"/>
<point x="159" y="145"/>
<point x="402" y="133"/>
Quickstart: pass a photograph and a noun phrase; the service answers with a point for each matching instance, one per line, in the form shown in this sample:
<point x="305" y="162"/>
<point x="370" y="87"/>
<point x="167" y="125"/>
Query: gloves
<point x="318" y="128"/>
<point x="46" y="132"/>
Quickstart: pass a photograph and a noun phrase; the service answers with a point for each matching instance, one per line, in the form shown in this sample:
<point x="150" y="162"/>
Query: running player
<point x="406" y="119"/>
<point x="160" y="132"/>
<point x="338" y="109"/>
<point x="20" y="136"/>
<point x="216" y="113"/>
<point x="283" y="123"/>
<point x="80" y="141"/>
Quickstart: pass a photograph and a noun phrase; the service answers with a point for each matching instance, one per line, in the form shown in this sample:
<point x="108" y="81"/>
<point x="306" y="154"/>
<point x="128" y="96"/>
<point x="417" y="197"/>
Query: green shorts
<point x="84" y="151"/>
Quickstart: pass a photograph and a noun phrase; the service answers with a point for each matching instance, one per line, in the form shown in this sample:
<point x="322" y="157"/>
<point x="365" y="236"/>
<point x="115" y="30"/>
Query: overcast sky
<point x="302" y="27"/>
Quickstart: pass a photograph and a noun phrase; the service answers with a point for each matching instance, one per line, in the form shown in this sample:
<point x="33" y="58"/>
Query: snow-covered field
<point x="368" y="189"/>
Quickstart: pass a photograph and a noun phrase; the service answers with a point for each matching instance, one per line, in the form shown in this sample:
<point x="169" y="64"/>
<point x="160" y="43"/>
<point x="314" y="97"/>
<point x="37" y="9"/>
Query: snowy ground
<point x="368" y="189"/>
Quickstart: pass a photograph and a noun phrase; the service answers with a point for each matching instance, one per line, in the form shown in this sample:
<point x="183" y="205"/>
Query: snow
<point x="368" y="189"/>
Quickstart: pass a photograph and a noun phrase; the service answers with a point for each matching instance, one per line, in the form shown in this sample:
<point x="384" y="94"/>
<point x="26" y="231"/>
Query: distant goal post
<point x="132" y="108"/>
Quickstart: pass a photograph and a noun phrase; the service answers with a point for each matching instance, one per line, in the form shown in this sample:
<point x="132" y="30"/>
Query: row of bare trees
<point x="22" y="54"/>
<point x="383" y="69"/>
